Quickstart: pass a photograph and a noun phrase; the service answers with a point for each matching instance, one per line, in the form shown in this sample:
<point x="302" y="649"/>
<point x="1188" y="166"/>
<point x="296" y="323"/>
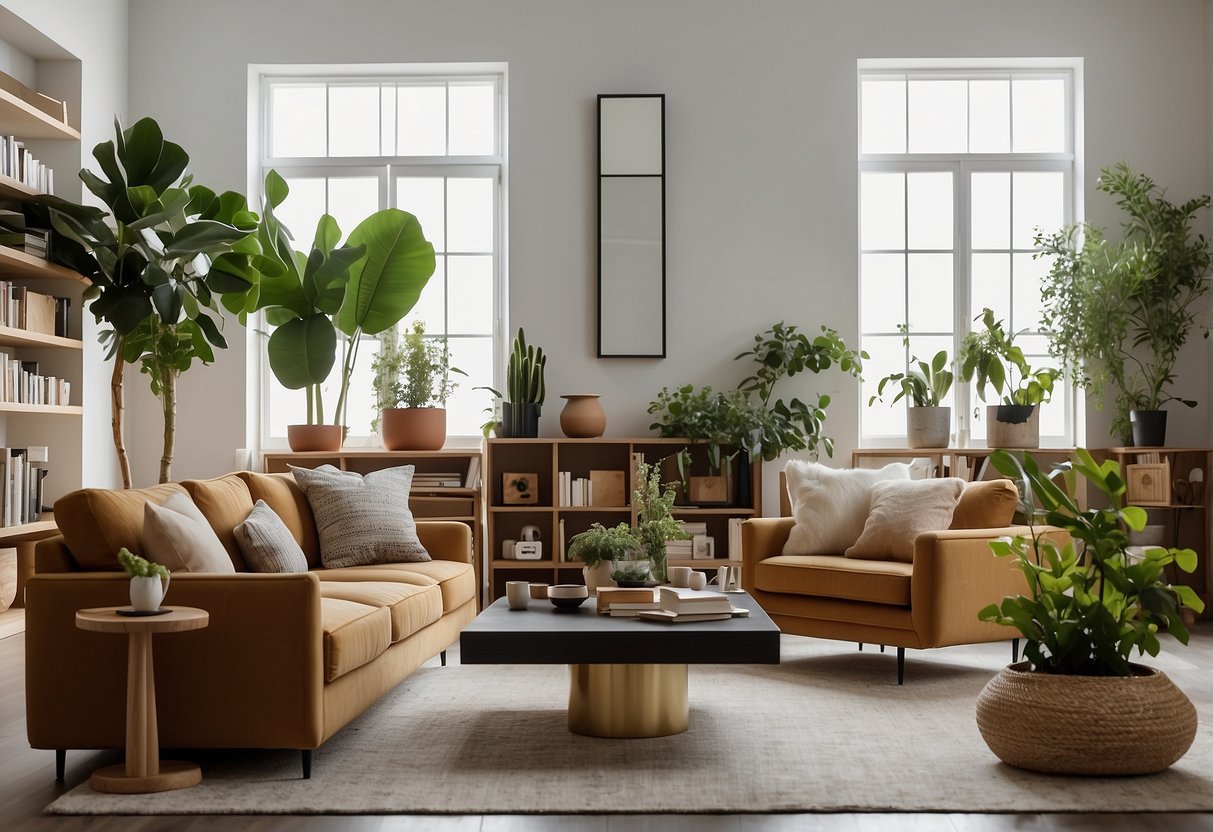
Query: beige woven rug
<point x="828" y="730"/>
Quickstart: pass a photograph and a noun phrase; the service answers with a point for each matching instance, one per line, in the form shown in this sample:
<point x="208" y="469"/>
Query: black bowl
<point x="567" y="603"/>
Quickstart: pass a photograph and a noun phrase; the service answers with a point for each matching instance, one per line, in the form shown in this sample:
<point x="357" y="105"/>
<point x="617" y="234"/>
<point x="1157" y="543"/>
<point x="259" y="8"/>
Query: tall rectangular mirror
<point x="631" y="226"/>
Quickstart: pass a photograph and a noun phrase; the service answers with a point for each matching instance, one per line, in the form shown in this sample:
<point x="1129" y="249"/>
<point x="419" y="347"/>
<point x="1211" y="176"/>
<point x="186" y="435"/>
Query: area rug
<point x="828" y="730"/>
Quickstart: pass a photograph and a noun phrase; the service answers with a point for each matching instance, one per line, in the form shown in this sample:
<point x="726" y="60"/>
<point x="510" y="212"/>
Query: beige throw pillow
<point x="831" y="504"/>
<point x="267" y="544"/>
<point x="177" y="535"/>
<point x="362" y="519"/>
<point x="900" y="512"/>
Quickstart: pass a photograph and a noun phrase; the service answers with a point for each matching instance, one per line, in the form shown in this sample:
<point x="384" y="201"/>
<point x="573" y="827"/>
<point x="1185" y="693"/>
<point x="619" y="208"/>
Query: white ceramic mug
<point x="698" y="580"/>
<point x="680" y="575"/>
<point x="147" y="593"/>
<point x="518" y="594"/>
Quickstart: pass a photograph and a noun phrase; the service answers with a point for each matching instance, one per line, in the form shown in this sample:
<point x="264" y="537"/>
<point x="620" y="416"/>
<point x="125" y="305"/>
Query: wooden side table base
<point x="173" y="775"/>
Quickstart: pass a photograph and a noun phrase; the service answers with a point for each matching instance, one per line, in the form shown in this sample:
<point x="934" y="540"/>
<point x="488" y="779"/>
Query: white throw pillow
<point x="831" y="504"/>
<point x="177" y="535"/>
<point x="903" y="510"/>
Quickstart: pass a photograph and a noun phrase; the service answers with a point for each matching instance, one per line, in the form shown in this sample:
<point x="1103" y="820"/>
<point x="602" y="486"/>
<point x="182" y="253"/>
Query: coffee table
<point x="628" y="677"/>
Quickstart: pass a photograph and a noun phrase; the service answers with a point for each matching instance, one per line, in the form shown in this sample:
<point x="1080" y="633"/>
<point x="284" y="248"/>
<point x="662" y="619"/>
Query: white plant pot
<point x="597" y="576"/>
<point x="147" y="593"/>
<point x="928" y="427"/>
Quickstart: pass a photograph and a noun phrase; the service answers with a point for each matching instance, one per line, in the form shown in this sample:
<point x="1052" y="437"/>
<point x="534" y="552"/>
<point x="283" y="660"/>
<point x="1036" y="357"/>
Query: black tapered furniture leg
<point x="442" y="658"/>
<point x="306" y="759"/>
<point x="901" y="665"/>
<point x="882" y="648"/>
<point x="861" y="647"/>
<point x="1014" y="650"/>
<point x="60" y="764"/>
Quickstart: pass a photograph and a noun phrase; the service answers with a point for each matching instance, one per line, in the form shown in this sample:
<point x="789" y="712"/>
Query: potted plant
<point x="599" y="549"/>
<point x="698" y="415"/>
<point x="1120" y="313"/>
<point x="412" y="383"/>
<point x="992" y="358"/>
<point x="149" y="581"/>
<point x="928" y="422"/>
<point x="363" y="287"/>
<point x="1078" y="705"/>
<point x="653" y="503"/>
<point x="524" y="383"/>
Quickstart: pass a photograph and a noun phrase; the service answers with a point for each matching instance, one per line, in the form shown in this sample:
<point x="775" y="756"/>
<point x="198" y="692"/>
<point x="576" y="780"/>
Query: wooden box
<point x="709" y="491"/>
<point x="39" y="313"/>
<point x="519" y="489"/>
<point x="607" y="489"/>
<point x="1148" y="483"/>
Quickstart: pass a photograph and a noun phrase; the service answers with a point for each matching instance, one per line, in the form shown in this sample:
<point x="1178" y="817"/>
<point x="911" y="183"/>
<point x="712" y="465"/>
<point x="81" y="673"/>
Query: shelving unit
<point x="18" y="264"/>
<point x="26" y="121"/>
<point x="546" y="458"/>
<point x="459" y="504"/>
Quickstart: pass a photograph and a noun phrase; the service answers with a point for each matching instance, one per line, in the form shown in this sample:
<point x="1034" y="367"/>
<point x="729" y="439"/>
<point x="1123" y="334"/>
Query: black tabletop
<point x="543" y="635"/>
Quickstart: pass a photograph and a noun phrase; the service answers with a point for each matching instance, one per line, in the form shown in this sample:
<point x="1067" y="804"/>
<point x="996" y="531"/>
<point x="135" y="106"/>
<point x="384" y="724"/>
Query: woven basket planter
<point x="1094" y="725"/>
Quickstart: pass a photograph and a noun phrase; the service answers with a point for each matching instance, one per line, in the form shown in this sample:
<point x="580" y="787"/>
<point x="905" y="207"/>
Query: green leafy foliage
<point x="1090" y="605"/>
<point x="138" y="567"/>
<point x="925" y="385"/>
<point x="598" y="543"/>
<point x="991" y="356"/>
<point x="413" y="371"/>
<point x="653" y="503"/>
<point x="1119" y="313"/>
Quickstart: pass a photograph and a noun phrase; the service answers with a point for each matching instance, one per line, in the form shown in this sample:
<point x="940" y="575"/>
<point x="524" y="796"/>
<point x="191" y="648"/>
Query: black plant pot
<point x="520" y="421"/>
<point x="1149" y="428"/>
<point x="743" y="493"/>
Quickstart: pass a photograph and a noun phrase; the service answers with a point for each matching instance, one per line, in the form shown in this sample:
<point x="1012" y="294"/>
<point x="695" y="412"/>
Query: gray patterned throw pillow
<point x="267" y="544"/>
<point x="362" y="519"/>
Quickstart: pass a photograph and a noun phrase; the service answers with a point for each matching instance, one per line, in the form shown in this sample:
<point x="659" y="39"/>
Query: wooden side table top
<point x="107" y="620"/>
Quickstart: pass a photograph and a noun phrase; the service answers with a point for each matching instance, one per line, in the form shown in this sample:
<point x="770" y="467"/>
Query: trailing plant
<point x="995" y="361"/>
<point x="1119" y="313"/>
<point x="925" y="385"/>
<point x="137" y="567"/>
<point x="413" y="371"/>
<point x="598" y="543"/>
<point x="653" y="503"/>
<point x="1089" y="604"/>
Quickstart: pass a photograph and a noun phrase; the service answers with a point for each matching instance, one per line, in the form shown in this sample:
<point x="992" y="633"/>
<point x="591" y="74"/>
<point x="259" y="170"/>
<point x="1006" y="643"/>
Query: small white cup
<point x="698" y="580"/>
<point x="518" y="594"/>
<point x="680" y="576"/>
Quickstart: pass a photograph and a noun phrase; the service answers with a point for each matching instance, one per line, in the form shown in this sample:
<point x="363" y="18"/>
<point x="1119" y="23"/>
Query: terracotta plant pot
<point x="1091" y="725"/>
<point x="928" y="427"/>
<point x="413" y="428"/>
<point x="314" y="437"/>
<point x="582" y="416"/>
<point x="1012" y="426"/>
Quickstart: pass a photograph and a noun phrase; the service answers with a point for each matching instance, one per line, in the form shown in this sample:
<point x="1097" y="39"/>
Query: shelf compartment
<point x="14" y="263"/>
<point x="20" y="118"/>
<point x="14" y="337"/>
<point x="58" y="410"/>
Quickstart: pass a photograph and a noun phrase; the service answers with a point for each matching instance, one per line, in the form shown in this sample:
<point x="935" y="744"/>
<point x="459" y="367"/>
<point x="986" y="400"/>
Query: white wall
<point x="761" y="148"/>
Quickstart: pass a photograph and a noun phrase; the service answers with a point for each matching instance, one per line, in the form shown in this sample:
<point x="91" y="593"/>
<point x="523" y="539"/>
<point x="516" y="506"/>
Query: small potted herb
<point x="149" y="581"/>
<point x="412" y="383"/>
<point x="599" y="549"/>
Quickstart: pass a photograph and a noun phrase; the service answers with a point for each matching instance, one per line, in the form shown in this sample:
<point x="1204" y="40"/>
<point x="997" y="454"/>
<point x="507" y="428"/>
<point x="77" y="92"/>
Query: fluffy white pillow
<point x="903" y="510"/>
<point x="831" y="504"/>
<point x="177" y="535"/>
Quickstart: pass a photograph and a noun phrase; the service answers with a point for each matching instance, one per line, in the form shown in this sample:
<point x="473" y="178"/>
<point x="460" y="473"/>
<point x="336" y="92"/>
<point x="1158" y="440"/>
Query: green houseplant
<point x="1090" y="604"/>
<point x="412" y="383"/>
<point x="1120" y="313"/>
<point x="653" y="503"/>
<point x="992" y="358"/>
<point x="928" y="421"/>
<point x="525" y="386"/>
<point x="149" y="581"/>
<point x="598" y="548"/>
<point x="160" y="251"/>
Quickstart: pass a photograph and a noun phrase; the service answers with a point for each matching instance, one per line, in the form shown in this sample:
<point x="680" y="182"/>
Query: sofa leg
<point x="1014" y="650"/>
<point x="60" y="764"/>
<point x="306" y="759"/>
<point x="901" y="665"/>
<point x="861" y="647"/>
<point x="442" y="658"/>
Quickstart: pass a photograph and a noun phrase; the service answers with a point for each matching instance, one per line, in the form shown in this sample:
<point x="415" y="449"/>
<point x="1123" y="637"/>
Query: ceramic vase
<point x="582" y="416"/>
<point x="597" y="576"/>
<point x="413" y="428"/>
<point x="147" y="593"/>
<point x="314" y="437"/>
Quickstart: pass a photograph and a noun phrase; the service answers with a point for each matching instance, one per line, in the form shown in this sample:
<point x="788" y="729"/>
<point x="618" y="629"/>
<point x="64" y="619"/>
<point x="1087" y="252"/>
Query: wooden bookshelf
<point x="14" y="189"/>
<point x="15" y="263"/>
<point x="14" y="337"/>
<point x="49" y="409"/>
<point x="25" y="121"/>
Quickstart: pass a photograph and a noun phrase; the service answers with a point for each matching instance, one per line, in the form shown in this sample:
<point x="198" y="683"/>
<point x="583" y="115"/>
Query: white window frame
<point x="962" y="166"/>
<point x="386" y="169"/>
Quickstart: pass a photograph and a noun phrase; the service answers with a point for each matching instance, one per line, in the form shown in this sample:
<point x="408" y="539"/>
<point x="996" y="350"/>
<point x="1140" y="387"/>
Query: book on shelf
<point x="670" y="617"/>
<point x="23" y="384"/>
<point x="575" y="491"/>
<point x="443" y="479"/>
<point x="472" y="478"/>
<point x="63" y="315"/>
<point x="17" y="162"/>
<point x="22" y="471"/>
<point x="681" y="600"/>
<point x="564" y="555"/>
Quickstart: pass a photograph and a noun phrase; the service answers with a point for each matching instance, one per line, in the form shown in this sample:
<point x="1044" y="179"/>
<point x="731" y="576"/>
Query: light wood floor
<point x="27" y="786"/>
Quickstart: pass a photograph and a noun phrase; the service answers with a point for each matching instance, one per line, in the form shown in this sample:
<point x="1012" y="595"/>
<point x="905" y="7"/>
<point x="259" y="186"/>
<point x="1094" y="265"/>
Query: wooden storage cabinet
<point x="557" y="523"/>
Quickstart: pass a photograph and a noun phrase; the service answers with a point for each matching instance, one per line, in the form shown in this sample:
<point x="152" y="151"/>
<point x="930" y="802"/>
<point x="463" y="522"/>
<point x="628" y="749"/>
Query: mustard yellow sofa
<point x="287" y="659"/>
<point x="931" y="602"/>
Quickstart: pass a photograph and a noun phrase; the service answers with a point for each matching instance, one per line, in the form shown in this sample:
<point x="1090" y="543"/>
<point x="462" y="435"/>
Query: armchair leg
<point x="60" y="764"/>
<point x="882" y="648"/>
<point x="1014" y="650"/>
<point x="861" y="647"/>
<point x="442" y="658"/>
<point x="306" y="759"/>
<point x="901" y="665"/>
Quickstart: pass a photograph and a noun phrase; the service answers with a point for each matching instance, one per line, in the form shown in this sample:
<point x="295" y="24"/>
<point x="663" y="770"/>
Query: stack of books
<point x="423" y="480"/>
<point x="22" y="383"/>
<point x="678" y="605"/>
<point x="21" y="473"/>
<point x="575" y="491"/>
<point x="15" y="234"/>
<point x="620" y="602"/>
<point x="16" y="162"/>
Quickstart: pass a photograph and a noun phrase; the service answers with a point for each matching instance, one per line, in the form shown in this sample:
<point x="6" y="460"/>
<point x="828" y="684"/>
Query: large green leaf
<point x="302" y="351"/>
<point x="201" y="236"/>
<point x="385" y="285"/>
<point x="149" y="159"/>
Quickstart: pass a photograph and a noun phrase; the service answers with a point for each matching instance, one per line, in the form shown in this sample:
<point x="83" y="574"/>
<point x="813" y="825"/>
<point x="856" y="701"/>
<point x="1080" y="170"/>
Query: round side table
<point x="143" y="771"/>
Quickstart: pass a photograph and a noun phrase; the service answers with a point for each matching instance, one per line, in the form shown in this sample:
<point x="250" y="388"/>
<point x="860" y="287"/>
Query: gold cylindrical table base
<point x="628" y="701"/>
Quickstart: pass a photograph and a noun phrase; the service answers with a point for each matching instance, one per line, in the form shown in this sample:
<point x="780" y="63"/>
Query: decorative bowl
<point x="568" y="596"/>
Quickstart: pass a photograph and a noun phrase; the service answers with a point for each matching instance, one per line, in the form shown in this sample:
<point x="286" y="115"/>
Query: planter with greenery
<point x="653" y="504"/>
<point x="1078" y="704"/>
<point x="157" y="255"/>
<point x="149" y="581"/>
<point x="525" y="386"/>
<point x="992" y="358"/>
<point x="1120" y="313"/>
<point x="412" y="383"/>
<point x="928" y="422"/>
<point x="599" y="548"/>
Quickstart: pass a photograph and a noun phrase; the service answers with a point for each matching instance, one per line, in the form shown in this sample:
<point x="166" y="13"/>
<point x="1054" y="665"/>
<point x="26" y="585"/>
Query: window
<point x="957" y="168"/>
<point x="430" y="144"/>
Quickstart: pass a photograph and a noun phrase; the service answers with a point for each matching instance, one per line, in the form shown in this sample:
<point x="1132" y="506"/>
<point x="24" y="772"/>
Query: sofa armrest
<point x="761" y="538"/>
<point x="253" y="678"/>
<point x="956" y="575"/>
<point x="446" y="539"/>
<point x="52" y="555"/>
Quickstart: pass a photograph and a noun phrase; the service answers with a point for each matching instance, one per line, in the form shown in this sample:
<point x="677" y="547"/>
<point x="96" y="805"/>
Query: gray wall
<point x="761" y="146"/>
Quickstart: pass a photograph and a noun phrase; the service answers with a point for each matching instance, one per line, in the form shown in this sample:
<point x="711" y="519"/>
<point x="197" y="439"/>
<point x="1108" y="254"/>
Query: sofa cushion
<point x="834" y="576"/>
<point x="830" y="505"/>
<point x="176" y="535"/>
<point x="97" y="522"/>
<point x="986" y="505"/>
<point x="901" y="510"/>
<point x="411" y="606"/>
<point x="267" y="544"/>
<point x="225" y="502"/>
<point x="286" y="498"/>
<point x="354" y="634"/>
<point x="362" y="519"/>
<point x="456" y="581"/>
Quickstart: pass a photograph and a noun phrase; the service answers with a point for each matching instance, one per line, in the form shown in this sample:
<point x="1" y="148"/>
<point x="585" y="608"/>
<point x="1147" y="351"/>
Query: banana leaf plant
<point x="333" y="293"/>
<point x="154" y="254"/>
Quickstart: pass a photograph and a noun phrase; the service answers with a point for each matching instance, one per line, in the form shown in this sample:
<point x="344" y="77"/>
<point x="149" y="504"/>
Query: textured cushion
<point x="177" y="535"/>
<point x="354" y="634"/>
<point x="457" y="581"/>
<point x="97" y="522"/>
<point x="224" y="502"/>
<point x="986" y="505"/>
<point x="411" y="606"/>
<point x="267" y="544"/>
<point x="900" y="512"/>
<point x="283" y="495"/>
<point x="833" y="576"/>
<point x="362" y="519"/>
<point x="831" y="505"/>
